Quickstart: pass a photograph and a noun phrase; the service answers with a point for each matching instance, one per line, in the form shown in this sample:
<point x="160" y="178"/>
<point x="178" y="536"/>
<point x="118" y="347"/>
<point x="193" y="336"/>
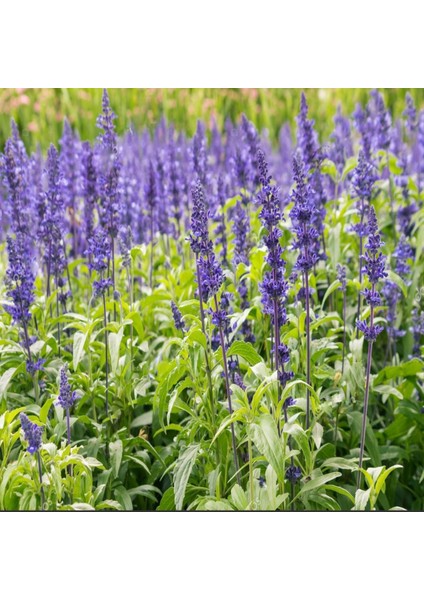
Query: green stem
<point x="251" y="482"/>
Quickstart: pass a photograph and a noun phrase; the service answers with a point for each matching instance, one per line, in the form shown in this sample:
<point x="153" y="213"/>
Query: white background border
<point x="225" y="43"/>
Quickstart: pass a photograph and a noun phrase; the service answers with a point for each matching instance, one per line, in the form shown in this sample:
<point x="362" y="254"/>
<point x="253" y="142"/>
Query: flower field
<point x="227" y="320"/>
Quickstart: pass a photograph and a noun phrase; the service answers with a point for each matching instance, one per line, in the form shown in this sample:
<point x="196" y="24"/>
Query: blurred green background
<point x="40" y="112"/>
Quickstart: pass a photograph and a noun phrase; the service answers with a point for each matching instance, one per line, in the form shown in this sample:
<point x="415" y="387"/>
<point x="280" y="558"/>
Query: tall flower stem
<point x="131" y="295"/>
<point x="151" y="250"/>
<point x="308" y="347"/>
<point x="106" y="356"/>
<point x="68" y="426"/>
<point x="251" y="482"/>
<point x="344" y="330"/>
<point x="58" y="322"/>
<point x="208" y="367"/>
<point x="68" y="431"/>
<point x="228" y="391"/>
<point x="276" y="344"/>
<point x="112" y="246"/>
<point x="358" y="310"/>
<point x="366" y="398"/>
<point x="40" y="474"/>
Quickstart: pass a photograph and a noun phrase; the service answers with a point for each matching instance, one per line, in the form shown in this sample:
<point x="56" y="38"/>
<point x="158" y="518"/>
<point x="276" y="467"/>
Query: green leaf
<point x="148" y="491"/>
<point x="182" y="472"/>
<point x="114" y="346"/>
<point x="349" y="166"/>
<point x="238" y="496"/>
<point x="387" y="390"/>
<point x="399" y="282"/>
<point x="109" y="504"/>
<point x="123" y="497"/>
<point x="232" y="418"/>
<point x="5" y="380"/>
<point x="361" y="499"/>
<point x="246" y="351"/>
<point x="301" y="440"/>
<point x="406" y="369"/>
<point x="116" y="450"/>
<point x="78" y="348"/>
<point x="262" y="389"/>
<point x="142" y="420"/>
<point x="333" y="287"/>
<point x="340" y="463"/>
<point x="340" y="490"/>
<point x="196" y="335"/>
<point x="265" y="436"/>
<point x="317" y="433"/>
<point x="221" y="505"/>
<point x="371" y="443"/>
<point x="44" y="411"/>
<point x="81" y="506"/>
<point x="383" y="476"/>
<point x="329" y="168"/>
<point x="319" y="482"/>
<point x="168" y="501"/>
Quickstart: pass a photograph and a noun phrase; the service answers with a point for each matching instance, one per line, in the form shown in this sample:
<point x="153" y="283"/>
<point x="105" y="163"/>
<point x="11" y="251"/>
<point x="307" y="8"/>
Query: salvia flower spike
<point x="374" y="267"/>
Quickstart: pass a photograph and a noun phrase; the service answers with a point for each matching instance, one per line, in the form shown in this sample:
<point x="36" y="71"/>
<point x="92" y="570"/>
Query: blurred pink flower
<point x="24" y="100"/>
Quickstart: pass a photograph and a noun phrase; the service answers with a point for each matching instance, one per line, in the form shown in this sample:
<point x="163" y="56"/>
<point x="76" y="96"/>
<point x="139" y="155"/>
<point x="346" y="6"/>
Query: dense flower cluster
<point x="178" y="317"/>
<point x="19" y="281"/>
<point x="341" y="276"/>
<point x="99" y="254"/>
<point x="32" y="432"/>
<point x="67" y="397"/>
<point x="302" y="216"/>
<point x="274" y="287"/>
<point x="374" y="267"/>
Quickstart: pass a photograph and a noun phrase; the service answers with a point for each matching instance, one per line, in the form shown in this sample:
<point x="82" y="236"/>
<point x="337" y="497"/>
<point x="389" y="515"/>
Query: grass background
<point x="39" y="112"/>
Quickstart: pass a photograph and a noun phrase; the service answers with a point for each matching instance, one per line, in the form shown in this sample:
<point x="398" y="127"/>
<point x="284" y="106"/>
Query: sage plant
<point x="302" y="216"/>
<point x="99" y="251"/>
<point x="374" y="267"/>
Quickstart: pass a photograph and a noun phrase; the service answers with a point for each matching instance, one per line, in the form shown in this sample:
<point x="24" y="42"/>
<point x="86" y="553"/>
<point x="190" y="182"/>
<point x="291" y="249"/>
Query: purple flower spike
<point x="67" y="397"/>
<point x="32" y="433"/>
<point x="178" y="317"/>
